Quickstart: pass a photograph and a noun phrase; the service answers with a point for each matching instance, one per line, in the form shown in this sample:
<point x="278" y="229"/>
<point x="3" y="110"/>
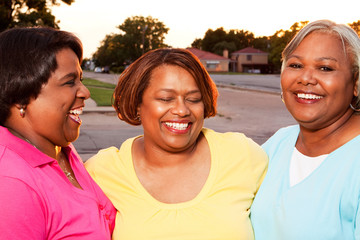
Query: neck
<point x="53" y="151"/>
<point x="325" y="140"/>
<point x="19" y="135"/>
<point x="160" y="158"/>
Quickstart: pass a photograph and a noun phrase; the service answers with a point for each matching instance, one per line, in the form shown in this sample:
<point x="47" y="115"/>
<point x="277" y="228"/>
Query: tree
<point x="355" y="26"/>
<point x="221" y="46"/>
<point x="218" y="40"/>
<point x="138" y="35"/>
<point x="28" y="13"/>
<point x="197" y="43"/>
<point x="279" y="40"/>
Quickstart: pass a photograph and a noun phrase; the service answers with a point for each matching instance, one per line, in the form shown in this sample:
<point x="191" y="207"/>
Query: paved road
<point x="252" y="108"/>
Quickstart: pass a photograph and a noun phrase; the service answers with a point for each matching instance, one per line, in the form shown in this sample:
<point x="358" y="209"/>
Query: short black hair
<point x="27" y="59"/>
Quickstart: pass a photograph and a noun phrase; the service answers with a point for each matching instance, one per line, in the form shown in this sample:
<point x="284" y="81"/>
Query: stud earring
<point x="22" y="112"/>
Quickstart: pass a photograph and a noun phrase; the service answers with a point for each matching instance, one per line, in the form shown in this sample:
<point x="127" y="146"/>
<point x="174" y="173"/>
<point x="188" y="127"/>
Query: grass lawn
<point x="100" y="92"/>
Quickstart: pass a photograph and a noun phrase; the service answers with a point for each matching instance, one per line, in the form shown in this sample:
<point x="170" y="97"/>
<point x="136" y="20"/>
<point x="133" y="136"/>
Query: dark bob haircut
<point x="27" y="60"/>
<point x="135" y="79"/>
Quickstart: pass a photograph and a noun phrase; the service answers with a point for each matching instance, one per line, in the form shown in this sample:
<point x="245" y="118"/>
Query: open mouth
<point x="74" y="114"/>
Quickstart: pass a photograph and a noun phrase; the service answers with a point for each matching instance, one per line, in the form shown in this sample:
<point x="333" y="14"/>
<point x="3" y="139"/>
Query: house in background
<point x="212" y="62"/>
<point x="250" y="60"/>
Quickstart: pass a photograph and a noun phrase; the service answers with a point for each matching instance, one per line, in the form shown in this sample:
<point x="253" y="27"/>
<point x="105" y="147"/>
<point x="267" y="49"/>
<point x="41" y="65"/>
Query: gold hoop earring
<point x="282" y="97"/>
<point x="22" y="112"/>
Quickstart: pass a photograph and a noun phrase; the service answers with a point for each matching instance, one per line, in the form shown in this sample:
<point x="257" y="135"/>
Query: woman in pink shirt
<point x="45" y="191"/>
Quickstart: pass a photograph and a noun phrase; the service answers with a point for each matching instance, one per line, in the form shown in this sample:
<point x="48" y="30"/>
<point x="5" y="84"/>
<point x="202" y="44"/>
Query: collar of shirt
<point x="27" y="151"/>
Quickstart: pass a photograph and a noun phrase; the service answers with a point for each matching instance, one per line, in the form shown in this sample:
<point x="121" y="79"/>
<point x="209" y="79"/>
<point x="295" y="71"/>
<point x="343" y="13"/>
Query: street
<point x="258" y="114"/>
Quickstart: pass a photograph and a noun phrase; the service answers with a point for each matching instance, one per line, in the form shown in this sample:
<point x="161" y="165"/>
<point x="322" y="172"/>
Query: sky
<point x="92" y="20"/>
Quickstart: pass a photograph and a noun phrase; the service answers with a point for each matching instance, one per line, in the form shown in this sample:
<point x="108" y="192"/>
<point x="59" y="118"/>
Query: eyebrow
<point x="317" y="59"/>
<point x="172" y="90"/>
<point x="327" y="59"/>
<point x="71" y="75"/>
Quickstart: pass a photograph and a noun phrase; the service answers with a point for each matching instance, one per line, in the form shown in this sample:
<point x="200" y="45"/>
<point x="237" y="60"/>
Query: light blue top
<point x="322" y="206"/>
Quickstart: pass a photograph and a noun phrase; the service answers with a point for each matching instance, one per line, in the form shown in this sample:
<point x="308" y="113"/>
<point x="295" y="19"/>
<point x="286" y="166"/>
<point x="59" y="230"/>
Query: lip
<point x="178" y="127"/>
<point x="74" y="113"/>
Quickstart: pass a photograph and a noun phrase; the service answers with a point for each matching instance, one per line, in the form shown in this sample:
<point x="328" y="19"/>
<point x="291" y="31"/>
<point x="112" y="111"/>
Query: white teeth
<point x="76" y="111"/>
<point x="308" y="96"/>
<point x="177" y="126"/>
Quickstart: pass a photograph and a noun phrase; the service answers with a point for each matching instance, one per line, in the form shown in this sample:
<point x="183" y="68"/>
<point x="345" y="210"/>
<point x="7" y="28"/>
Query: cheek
<point x="286" y="79"/>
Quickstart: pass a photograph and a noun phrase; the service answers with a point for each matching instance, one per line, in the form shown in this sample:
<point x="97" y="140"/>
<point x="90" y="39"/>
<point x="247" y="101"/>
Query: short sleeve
<point x="260" y="162"/>
<point x="21" y="211"/>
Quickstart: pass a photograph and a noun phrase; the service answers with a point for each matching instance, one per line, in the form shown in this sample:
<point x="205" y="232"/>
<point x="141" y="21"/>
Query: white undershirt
<point x="302" y="166"/>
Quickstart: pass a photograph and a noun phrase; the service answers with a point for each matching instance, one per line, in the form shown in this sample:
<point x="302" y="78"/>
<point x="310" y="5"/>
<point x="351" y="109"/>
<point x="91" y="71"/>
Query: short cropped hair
<point x="135" y="79"/>
<point x="27" y="59"/>
<point x="349" y="38"/>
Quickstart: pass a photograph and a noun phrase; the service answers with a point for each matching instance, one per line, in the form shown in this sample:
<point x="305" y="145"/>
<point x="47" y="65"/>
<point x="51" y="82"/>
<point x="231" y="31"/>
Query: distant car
<point x="105" y="69"/>
<point x="98" y="70"/>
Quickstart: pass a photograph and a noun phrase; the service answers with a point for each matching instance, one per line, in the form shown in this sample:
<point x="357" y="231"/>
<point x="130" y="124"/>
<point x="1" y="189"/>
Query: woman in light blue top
<point x="312" y="187"/>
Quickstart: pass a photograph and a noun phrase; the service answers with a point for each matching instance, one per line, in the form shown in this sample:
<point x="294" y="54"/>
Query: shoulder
<point x="14" y="166"/>
<point x="102" y="160"/>
<point x="107" y="159"/>
<point x="236" y="145"/>
<point x="227" y="137"/>
<point x="230" y="140"/>
<point x="283" y="134"/>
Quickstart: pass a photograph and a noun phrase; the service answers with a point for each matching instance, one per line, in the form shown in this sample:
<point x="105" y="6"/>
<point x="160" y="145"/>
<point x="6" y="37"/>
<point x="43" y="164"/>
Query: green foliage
<point x="355" y="26"/>
<point x="100" y="92"/>
<point x="197" y="43"/>
<point x="233" y="40"/>
<point x="212" y="37"/>
<point x="221" y="46"/>
<point x="279" y="40"/>
<point x="89" y="82"/>
<point x="27" y="13"/>
<point x="138" y="35"/>
<point x="102" y="97"/>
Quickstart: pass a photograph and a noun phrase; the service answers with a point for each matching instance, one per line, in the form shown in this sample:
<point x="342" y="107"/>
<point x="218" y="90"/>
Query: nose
<point x="180" y="108"/>
<point x="83" y="92"/>
<point x="307" y="77"/>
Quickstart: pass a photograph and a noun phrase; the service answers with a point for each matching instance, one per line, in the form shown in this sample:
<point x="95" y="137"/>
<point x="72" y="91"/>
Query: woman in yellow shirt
<point x="178" y="180"/>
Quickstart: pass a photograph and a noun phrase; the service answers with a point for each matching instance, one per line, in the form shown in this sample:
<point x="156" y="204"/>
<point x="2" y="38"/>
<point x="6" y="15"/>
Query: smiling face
<point x="53" y="117"/>
<point x="317" y="81"/>
<point x="172" y="111"/>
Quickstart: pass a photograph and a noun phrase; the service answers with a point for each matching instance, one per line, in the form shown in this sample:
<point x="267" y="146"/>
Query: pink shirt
<point x="37" y="201"/>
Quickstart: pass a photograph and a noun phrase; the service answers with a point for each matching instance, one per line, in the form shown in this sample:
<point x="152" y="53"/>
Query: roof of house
<point x="203" y="55"/>
<point x="249" y="50"/>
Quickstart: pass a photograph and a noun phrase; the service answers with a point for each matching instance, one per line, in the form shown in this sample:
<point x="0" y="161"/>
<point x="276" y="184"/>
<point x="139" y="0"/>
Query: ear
<point x="19" y="106"/>
<point x="138" y="111"/>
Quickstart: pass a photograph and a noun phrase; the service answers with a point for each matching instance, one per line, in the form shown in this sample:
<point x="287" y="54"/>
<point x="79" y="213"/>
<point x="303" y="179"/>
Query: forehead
<point x="321" y="43"/>
<point x="170" y="75"/>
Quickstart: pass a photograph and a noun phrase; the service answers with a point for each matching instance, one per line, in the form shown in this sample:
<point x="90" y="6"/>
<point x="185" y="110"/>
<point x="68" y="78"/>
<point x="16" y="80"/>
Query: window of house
<point x="249" y="57"/>
<point x="212" y="64"/>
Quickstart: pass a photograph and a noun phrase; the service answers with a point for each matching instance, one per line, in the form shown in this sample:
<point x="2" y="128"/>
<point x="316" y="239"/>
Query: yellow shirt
<point x="219" y="211"/>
